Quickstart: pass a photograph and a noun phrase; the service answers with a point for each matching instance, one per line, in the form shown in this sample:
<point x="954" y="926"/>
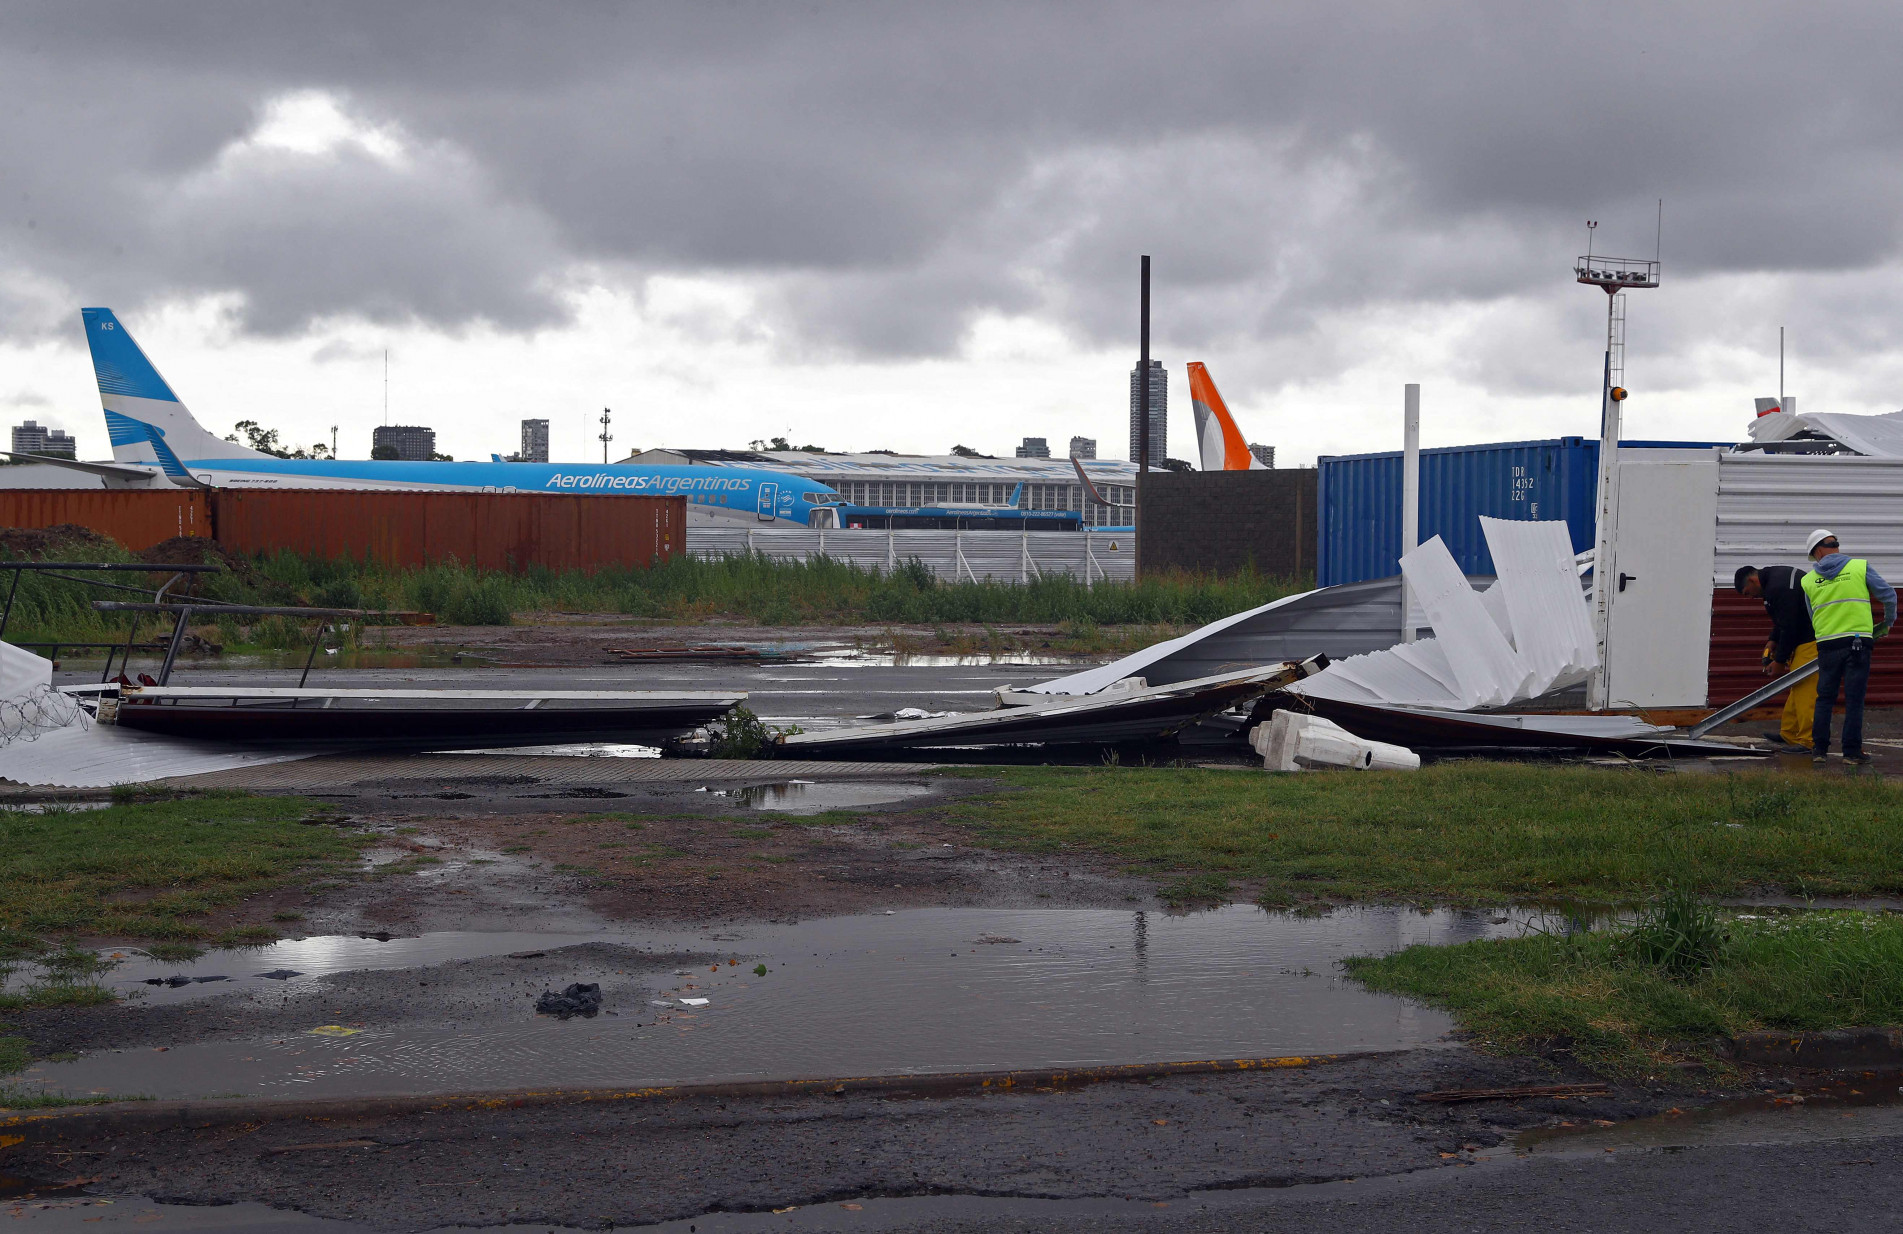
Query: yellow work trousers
<point x="1800" y="703"/>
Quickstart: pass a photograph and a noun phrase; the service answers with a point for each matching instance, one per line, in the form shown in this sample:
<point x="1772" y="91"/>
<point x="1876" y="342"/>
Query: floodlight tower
<point x="1615" y="276"/>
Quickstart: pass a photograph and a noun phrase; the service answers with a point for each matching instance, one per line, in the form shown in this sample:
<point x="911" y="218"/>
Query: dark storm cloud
<point x="884" y="173"/>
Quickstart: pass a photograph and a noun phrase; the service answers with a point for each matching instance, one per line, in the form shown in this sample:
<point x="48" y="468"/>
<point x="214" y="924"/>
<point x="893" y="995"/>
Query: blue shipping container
<point x="1359" y="536"/>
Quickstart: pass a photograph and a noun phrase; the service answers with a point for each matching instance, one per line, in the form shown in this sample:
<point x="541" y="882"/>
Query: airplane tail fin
<point x="144" y="419"/>
<point x="1222" y="444"/>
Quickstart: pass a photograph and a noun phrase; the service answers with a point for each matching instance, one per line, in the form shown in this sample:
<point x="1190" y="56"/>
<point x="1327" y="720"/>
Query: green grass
<point x="1594" y="994"/>
<point x="151" y="870"/>
<point x="750" y="587"/>
<point x="1466" y="832"/>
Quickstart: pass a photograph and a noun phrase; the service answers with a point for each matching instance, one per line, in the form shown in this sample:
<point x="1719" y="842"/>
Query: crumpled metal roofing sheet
<point x="1334" y="621"/>
<point x="101" y="755"/>
<point x="1113" y="716"/>
<point x="1545" y="607"/>
<point x="1484" y="664"/>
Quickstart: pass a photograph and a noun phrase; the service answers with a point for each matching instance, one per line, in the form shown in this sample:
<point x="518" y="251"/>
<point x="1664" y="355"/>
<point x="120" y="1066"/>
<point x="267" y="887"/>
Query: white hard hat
<point x="1818" y="537"/>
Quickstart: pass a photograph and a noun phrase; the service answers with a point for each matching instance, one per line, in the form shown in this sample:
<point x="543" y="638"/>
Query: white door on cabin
<point x="1658" y="639"/>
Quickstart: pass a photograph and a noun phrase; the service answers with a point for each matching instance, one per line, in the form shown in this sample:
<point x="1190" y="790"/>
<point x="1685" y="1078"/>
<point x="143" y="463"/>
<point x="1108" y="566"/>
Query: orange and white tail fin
<point x="1221" y="441"/>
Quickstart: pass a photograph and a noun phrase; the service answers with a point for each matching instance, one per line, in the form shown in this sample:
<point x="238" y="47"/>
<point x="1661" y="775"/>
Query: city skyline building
<point x="35" y="438"/>
<point x="534" y="442"/>
<point x="1035" y="447"/>
<point x="409" y="443"/>
<point x="1083" y="447"/>
<point x="1264" y="455"/>
<point x="1159" y="413"/>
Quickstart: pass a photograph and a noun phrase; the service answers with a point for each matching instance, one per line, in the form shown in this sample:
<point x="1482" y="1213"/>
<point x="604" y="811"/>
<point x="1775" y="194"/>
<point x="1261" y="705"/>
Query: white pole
<point x="1603" y="558"/>
<point x="1410" y="491"/>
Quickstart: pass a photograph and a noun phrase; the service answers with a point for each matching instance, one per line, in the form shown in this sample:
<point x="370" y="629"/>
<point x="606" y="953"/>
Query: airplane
<point x="156" y="443"/>
<point x="1223" y="446"/>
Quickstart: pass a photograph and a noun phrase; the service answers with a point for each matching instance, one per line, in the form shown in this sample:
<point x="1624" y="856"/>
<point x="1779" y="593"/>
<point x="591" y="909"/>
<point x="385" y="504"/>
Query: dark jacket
<point x="1790" y="611"/>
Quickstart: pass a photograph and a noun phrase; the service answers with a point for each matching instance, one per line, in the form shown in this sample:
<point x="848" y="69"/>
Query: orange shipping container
<point x="137" y="519"/>
<point x="492" y="531"/>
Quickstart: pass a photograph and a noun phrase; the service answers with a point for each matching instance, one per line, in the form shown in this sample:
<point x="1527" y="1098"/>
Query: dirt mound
<point x="194" y="551"/>
<point x="52" y="543"/>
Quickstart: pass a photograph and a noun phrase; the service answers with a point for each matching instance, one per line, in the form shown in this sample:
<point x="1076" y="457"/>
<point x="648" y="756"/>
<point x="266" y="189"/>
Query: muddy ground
<point x="496" y="856"/>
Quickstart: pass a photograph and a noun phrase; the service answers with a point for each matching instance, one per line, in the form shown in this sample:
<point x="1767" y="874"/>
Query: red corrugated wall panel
<point x="493" y="531"/>
<point x="136" y="519"/>
<point x="1739" y="630"/>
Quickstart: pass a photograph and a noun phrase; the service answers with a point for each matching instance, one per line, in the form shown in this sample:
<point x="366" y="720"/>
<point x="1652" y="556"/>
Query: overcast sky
<point x="904" y="226"/>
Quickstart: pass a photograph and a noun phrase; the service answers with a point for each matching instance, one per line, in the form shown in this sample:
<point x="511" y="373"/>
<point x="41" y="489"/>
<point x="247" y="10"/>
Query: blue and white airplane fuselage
<point x="156" y="442"/>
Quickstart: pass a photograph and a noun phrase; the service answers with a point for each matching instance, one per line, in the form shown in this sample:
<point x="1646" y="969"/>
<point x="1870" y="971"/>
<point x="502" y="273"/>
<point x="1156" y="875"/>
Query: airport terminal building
<point x="937" y="480"/>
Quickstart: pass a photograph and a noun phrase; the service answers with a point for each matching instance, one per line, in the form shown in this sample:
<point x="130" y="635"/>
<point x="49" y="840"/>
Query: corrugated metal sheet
<point x="1768" y="504"/>
<point x="955" y="556"/>
<point x="137" y="520"/>
<point x="1338" y="622"/>
<point x="493" y="531"/>
<point x="1739" y="630"/>
<point x="1360" y="500"/>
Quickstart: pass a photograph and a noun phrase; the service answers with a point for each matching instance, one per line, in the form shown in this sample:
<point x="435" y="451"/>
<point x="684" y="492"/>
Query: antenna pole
<point x="1780" y="368"/>
<point x="1658" y="236"/>
<point x="606" y="436"/>
<point x="386" y="387"/>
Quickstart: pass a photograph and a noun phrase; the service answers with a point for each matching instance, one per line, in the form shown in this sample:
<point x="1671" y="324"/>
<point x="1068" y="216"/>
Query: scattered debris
<point x="1121" y="715"/>
<point x="714" y="652"/>
<point x="1421" y="728"/>
<point x="582" y="999"/>
<point x="332" y="1030"/>
<point x="1292" y="741"/>
<point x="1453" y="1095"/>
<point x="694" y="1002"/>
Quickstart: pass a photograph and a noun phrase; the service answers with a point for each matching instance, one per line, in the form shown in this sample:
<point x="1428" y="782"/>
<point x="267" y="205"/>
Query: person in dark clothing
<point x="1792" y="645"/>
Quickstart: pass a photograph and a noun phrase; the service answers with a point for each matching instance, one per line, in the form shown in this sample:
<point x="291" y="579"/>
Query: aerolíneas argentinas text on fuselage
<point x="156" y="442"/>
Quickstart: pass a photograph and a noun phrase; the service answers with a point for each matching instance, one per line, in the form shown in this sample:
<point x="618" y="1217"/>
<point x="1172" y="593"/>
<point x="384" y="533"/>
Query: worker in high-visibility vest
<point x="1792" y="644"/>
<point x="1843" y="593"/>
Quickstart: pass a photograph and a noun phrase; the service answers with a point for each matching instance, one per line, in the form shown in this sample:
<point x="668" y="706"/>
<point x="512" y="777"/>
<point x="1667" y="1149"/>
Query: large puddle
<point x="929" y="990"/>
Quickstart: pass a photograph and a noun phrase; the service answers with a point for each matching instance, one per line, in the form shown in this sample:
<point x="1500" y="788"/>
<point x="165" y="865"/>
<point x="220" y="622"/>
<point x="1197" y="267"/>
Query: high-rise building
<point x="31" y="438"/>
<point x="410" y="443"/>
<point x="1159" y="414"/>
<point x="1083" y="447"/>
<point x="1035" y="447"/>
<point x="1264" y="455"/>
<point x="534" y="442"/>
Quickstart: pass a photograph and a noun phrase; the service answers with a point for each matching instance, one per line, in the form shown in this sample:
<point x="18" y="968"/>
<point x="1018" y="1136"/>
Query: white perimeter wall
<point x="1005" y="556"/>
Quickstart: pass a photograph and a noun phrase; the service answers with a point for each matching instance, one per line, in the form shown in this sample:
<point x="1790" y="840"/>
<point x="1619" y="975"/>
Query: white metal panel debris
<point x="1486" y="669"/>
<point x="1347" y="620"/>
<point x="1538" y="588"/>
<point x="102" y="755"/>
<point x="22" y="672"/>
<point x="1112" y="716"/>
<point x="1874" y="436"/>
<point x="1295" y="741"/>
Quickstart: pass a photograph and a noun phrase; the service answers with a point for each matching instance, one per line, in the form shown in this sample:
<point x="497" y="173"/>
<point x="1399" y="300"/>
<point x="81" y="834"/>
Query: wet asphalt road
<point x="1340" y="1147"/>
